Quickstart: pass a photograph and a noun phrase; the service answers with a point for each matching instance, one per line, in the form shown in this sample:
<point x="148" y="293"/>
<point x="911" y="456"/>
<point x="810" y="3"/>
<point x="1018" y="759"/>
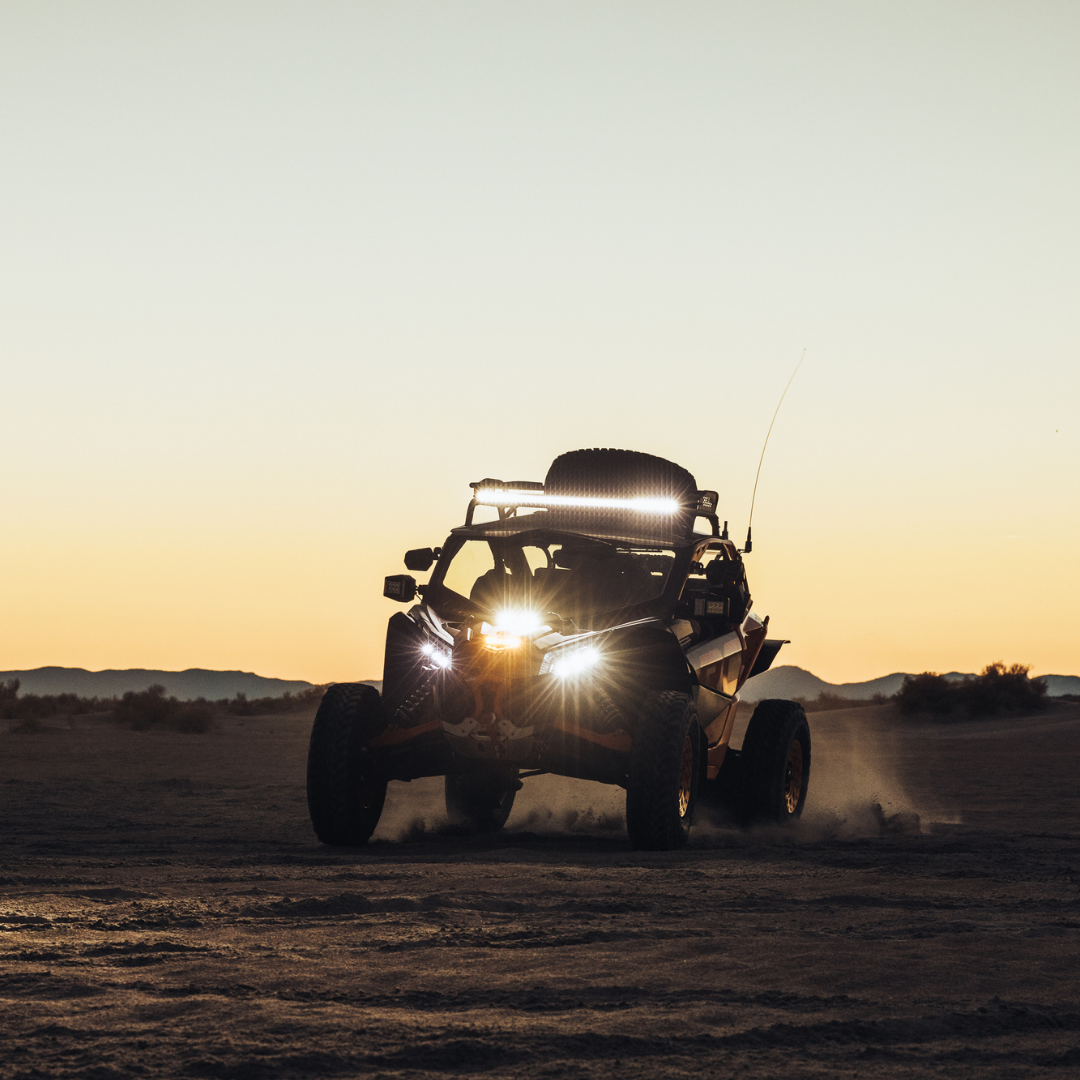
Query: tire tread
<point x="349" y="717"/>
<point x="655" y="763"/>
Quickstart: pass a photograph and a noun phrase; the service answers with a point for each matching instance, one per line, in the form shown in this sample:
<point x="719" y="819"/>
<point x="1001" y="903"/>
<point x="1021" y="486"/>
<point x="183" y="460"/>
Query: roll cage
<point x="509" y="536"/>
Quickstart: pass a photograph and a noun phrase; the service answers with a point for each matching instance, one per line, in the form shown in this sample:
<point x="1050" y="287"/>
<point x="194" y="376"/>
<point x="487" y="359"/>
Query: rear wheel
<point x="775" y="762"/>
<point x="482" y="800"/>
<point x="345" y="793"/>
<point x="665" y="768"/>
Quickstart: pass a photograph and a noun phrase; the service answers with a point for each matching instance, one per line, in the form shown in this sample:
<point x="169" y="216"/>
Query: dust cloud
<point x="856" y="791"/>
<point x="856" y="788"/>
<point x="413" y="811"/>
<point x="546" y="805"/>
<point x="560" y="804"/>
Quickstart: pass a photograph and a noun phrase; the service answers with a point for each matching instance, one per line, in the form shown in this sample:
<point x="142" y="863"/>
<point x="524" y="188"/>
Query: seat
<point x="498" y="588"/>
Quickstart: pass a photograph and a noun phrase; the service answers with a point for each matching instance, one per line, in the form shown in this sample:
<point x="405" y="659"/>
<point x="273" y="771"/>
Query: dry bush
<point x="9" y="693"/>
<point x="997" y="689"/>
<point x="150" y="709"/>
<point x="928" y="692"/>
<point x="144" y="710"/>
<point x="1003" y="689"/>
<point x="36" y="707"/>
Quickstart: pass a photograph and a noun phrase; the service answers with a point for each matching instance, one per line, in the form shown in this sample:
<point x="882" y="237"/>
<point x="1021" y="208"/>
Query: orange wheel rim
<point x="793" y="777"/>
<point x="686" y="777"/>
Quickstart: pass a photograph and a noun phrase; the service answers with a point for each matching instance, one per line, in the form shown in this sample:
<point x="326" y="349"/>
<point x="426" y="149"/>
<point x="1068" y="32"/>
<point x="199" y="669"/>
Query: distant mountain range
<point x="781" y="682"/>
<point x="186" y="685"/>
<point x="794" y="682"/>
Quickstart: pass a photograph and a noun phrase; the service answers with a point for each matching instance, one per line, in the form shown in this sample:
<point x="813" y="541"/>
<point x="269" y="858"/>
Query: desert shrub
<point x="9" y="699"/>
<point x="144" y="710"/>
<point x="928" y="692"/>
<point x="30" y="707"/>
<point x="40" y="706"/>
<point x="1002" y="689"/>
<point x="997" y="689"/>
<point x="73" y="705"/>
<point x="239" y="705"/>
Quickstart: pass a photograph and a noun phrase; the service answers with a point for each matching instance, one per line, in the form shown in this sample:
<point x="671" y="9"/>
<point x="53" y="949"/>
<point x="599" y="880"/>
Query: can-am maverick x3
<point x="594" y="630"/>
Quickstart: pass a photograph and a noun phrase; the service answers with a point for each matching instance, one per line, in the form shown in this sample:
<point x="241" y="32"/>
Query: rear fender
<point x="766" y="655"/>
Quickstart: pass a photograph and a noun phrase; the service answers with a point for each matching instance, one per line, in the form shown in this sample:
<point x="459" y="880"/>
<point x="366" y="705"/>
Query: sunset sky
<point x="277" y="280"/>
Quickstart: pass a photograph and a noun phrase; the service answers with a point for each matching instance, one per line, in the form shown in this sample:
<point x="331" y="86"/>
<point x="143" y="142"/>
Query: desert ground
<point x="166" y="911"/>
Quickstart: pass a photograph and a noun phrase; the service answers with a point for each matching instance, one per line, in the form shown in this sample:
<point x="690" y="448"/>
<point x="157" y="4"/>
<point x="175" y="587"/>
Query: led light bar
<point x="518" y="497"/>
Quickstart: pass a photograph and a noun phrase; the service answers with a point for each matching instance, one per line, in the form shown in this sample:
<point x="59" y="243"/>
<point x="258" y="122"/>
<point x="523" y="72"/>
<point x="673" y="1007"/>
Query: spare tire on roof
<point x="622" y="474"/>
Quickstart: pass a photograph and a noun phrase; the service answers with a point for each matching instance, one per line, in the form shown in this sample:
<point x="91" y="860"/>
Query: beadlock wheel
<point x="775" y="762"/>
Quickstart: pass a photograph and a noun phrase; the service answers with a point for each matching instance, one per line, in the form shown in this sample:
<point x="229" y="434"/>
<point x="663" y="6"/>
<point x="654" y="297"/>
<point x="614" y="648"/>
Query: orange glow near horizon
<point x="265" y="604"/>
<point x="266" y="313"/>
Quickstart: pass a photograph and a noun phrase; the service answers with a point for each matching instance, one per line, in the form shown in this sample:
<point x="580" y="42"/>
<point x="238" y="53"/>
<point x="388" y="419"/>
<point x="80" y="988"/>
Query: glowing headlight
<point x="511" y="628"/>
<point x="574" y="662"/>
<point x="438" y="657"/>
<point x="518" y="621"/>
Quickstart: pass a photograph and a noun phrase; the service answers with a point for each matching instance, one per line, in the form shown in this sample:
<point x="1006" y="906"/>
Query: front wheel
<point x="482" y="800"/>
<point x="345" y="794"/>
<point x="775" y="762"/>
<point x="665" y="767"/>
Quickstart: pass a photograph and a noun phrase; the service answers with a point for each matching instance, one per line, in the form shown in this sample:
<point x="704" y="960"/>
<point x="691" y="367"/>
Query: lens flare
<point x="512" y="627"/>
<point x="519" y="621"/>
<point x="439" y="657"/>
<point x="575" y="662"/>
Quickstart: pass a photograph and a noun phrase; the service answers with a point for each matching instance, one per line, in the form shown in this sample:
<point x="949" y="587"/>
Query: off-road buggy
<point x="599" y="627"/>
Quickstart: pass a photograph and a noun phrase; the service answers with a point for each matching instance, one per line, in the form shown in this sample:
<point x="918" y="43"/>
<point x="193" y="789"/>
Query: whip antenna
<point x="757" y="475"/>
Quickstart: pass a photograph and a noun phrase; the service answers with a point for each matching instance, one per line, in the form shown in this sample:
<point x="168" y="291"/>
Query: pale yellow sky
<point x="277" y="280"/>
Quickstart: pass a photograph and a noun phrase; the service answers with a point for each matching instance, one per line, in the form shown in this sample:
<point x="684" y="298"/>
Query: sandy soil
<point x="166" y="911"/>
